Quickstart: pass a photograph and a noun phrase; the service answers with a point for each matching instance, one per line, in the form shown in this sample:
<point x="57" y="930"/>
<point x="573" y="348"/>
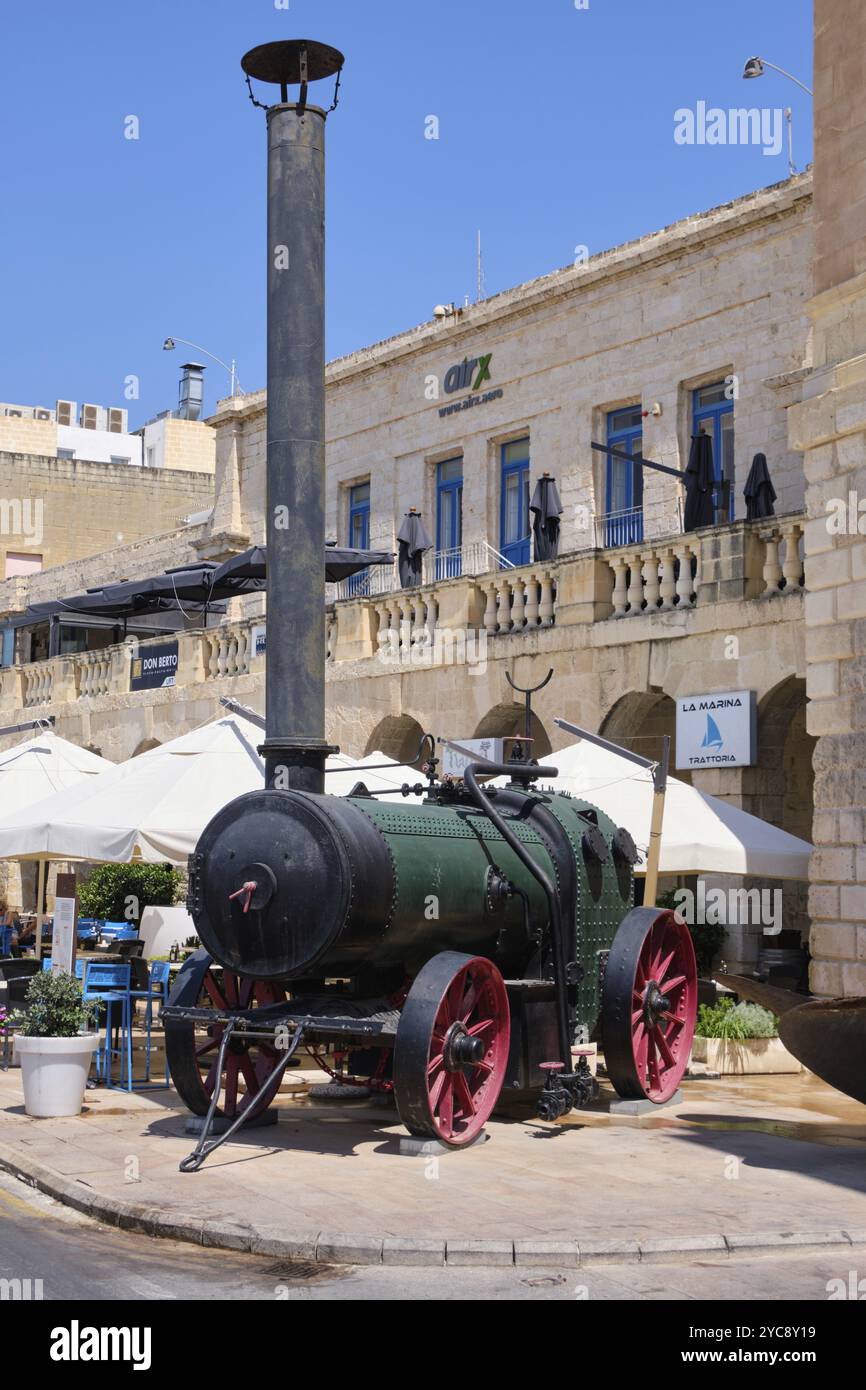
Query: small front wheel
<point x="451" y="1048"/>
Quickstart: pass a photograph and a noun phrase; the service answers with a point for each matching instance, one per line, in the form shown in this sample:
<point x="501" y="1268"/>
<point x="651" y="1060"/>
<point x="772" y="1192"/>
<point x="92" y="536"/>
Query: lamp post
<point x="755" y="68"/>
<point x="171" y="343"/>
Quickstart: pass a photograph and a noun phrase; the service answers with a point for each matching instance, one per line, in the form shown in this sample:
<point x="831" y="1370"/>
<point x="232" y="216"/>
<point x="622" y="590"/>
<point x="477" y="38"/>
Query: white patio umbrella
<point x="700" y="833"/>
<point x="150" y="808"/>
<point x="35" y="769"/>
<point x="154" y="807"/>
<point x="40" y="766"/>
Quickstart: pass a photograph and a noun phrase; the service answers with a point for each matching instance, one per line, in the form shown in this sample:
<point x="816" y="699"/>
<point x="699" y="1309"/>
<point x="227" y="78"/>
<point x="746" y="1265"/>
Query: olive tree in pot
<point x="53" y="1044"/>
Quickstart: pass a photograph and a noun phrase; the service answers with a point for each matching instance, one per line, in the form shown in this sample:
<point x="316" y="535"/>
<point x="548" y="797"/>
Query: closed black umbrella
<point x="700" y="484"/>
<point x="413" y="541"/>
<point x="247" y="573"/>
<point x="759" y="491"/>
<point x="546" y="510"/>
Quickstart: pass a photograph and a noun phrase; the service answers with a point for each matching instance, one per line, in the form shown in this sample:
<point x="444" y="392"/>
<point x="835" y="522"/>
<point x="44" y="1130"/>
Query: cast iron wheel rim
<point x="192" y="1060"/>
<point x="451" y="1049"/>
<point x="650" y="1005"/>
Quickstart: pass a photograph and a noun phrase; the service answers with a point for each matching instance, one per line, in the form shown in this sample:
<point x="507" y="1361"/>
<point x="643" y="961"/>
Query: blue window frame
<point x="624" y="491"/>
<point x="514" y="520"/>
<point x="449" y="518"/>
<point x="359" y="532"/>
<point x="713" y="414"/>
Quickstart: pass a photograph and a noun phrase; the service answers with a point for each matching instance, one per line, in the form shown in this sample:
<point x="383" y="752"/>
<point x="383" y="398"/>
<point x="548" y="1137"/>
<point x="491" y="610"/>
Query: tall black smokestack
<point x="294" y="747"/>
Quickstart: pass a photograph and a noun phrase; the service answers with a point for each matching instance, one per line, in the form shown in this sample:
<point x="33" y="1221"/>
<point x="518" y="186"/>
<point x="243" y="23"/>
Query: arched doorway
<point x="780" y="787"/>
<point x="146" y="745"/>
<point x="639" y="721"/>
<point x="508" y="719"/>
<point x="397" y="736"/>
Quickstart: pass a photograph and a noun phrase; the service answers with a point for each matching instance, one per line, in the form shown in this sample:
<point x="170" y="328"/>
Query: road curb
<point x="327" y="1247"/>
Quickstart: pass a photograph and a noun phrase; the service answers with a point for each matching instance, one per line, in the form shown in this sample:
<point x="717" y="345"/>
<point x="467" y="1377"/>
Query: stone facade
<point x="626" y="629"/>
<point x="830" y="427"/>
<point x="717" y="295"/>
<point x="66" y="509"/>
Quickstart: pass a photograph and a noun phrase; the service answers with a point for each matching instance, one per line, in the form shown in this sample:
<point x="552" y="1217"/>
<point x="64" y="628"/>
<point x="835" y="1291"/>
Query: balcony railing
<point x="656" y="578"/>
<point x="476" y="557"/>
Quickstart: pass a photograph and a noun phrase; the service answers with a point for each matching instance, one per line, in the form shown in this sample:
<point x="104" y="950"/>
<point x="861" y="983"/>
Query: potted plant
<point x="53" y="1046"/>
<point x="740" y="1039"/>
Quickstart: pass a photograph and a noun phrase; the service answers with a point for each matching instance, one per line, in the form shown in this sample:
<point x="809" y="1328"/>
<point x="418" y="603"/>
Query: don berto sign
<point x="717" y="730"/>
<point x="153" y="667"/>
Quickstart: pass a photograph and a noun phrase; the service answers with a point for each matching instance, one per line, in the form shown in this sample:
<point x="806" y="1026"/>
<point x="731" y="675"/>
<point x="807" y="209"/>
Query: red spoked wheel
<point x="649" y="1004"/>
<point x="451" y="1048"/>
<point x="192" y="1050"/>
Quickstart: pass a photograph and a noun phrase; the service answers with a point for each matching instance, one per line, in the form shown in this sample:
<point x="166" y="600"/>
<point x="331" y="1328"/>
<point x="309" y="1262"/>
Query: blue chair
<point x="79" y="967"/>
<point x="88" y="928"/>
<point x="5" y="941"/>
<point x="159" y="978"/>
<point x="111" y="985"/>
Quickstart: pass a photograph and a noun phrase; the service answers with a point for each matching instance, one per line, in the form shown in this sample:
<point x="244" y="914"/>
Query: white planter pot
<point x="54" y="1073"/>
<point x="747" y="1057"/>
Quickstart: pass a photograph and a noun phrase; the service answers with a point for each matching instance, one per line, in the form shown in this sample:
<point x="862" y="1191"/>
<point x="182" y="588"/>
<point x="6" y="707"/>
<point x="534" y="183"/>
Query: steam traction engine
<point x="445" y="950"/>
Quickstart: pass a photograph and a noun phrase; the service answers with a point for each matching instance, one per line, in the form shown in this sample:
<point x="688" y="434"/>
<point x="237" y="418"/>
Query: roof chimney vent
<point x="191" y="395"/>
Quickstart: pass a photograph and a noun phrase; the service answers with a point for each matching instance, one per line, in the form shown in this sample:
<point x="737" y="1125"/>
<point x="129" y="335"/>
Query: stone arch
<point x="506" y="720"/>
<point x="779" y="788"/>
<point x="397" y="736"/>
<point x="146" y="745"/>
<point x="640" y="720"/>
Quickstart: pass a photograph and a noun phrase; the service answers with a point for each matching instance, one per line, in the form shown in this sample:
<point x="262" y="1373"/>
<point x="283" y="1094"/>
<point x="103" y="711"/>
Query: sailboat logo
<point x="712" y="738"/>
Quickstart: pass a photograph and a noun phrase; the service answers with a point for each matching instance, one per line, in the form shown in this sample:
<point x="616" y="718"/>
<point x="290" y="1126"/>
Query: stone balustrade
<point x="783" y="570"/>
<point x="745" y="560"/>
<point x="675" y="574"/>
<point x="93" y="673"/>
<point x="227" y="650"/>
<point x="520" y="600"/>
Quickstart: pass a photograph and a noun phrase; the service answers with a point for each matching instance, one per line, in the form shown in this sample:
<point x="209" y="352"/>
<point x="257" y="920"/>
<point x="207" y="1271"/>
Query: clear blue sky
<point x="556" y="129"/>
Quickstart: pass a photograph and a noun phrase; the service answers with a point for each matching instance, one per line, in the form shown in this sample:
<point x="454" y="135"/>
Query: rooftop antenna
<point x="479" y="270"/>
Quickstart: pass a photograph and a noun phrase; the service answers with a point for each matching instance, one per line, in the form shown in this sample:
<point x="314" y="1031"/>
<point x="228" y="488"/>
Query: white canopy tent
<point x="700" y="833"/>
<point x="154" y="807"/>
<point x="41" y="766"/>
<point x="38" y="768"/>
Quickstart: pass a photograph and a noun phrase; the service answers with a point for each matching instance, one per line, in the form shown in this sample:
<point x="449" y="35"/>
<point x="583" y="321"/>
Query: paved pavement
<point x="735" y="1169"/>
<point x="76" y="1259"/>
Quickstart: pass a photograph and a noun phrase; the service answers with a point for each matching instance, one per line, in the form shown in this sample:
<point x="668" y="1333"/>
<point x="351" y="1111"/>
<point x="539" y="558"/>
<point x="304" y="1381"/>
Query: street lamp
<point x="755" y="68"/>
<point x="235" y="387"/>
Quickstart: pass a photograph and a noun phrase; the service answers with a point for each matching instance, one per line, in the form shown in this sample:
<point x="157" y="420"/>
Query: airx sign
<point x="469" y="375"/>
<point x="472" y="371"/>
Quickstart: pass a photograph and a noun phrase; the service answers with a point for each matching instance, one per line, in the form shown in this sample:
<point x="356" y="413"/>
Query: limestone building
<point x="699" y="328"/>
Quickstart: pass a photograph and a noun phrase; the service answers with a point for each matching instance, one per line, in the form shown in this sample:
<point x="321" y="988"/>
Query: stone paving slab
<point x="740" y="1167"/>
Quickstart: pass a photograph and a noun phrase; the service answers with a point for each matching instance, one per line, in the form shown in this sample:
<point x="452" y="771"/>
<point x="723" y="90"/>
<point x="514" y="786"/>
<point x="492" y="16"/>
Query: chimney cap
<point x="281" y="62"/>
<point x="193" y="367"/>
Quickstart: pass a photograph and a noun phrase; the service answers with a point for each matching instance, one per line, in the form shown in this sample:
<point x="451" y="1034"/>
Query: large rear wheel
<point x="649" y="1005"/>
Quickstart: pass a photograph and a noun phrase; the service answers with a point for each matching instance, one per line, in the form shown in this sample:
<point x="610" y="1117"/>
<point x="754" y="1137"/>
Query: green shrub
<point x="736" y="1021"/>
<point x="55" y="1008"/>
<point x="121" y="892"/>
